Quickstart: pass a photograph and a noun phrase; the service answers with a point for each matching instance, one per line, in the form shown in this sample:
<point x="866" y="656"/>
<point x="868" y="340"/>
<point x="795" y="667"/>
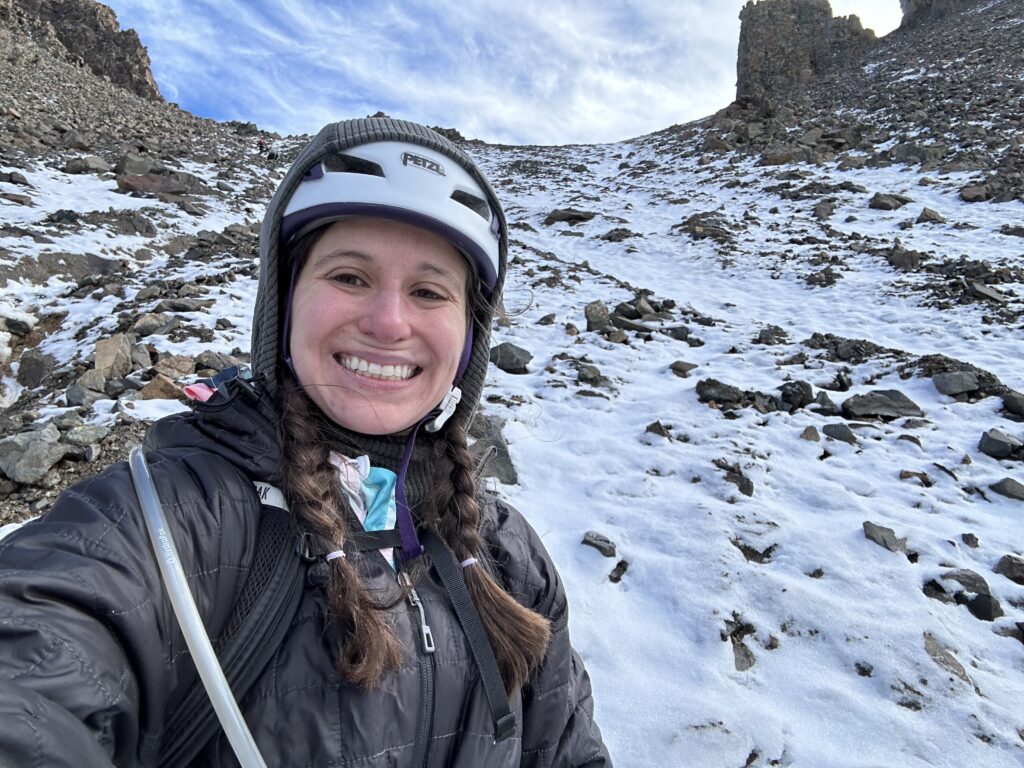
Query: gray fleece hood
<point x="275" y="270"/>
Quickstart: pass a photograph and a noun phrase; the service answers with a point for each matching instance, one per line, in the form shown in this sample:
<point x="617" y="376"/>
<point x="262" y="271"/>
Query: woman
<point x="382" y="259"/>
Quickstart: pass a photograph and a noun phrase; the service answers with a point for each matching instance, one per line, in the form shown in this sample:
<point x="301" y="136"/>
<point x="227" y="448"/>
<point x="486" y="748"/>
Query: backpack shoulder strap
<point x="450" y="571"/>
<point x="261" y="617"/>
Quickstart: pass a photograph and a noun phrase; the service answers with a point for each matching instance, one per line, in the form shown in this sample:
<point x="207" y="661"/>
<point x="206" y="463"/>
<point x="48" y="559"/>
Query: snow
<point x="665" y="684"/>
<point x="828" y="600"/>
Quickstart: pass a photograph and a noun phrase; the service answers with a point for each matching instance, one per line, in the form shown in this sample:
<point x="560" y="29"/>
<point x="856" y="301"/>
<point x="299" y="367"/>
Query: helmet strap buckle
<point x="447" y="408"/>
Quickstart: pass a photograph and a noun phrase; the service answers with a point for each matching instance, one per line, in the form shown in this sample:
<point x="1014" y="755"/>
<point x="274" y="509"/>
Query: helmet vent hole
<point x="352" y="164"/>
<point x="474" y="203"/>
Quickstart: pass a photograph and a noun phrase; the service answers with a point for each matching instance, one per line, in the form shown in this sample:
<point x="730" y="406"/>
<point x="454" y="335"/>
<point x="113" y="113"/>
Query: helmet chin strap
<point x="447" y="407"/>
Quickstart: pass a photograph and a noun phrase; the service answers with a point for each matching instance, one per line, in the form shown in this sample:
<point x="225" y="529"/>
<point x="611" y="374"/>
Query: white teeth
<point x="375" y="370"/>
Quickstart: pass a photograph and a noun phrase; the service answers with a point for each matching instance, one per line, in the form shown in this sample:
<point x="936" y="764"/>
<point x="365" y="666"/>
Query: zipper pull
<point x="425" y="634"/>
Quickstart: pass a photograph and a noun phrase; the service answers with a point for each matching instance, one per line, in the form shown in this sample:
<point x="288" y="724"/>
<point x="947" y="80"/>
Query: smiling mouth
<point x="375" y="370"/>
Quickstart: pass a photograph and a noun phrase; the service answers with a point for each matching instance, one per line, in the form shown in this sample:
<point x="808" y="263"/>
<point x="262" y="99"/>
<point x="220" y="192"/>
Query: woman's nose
<point x="386" y="317"/>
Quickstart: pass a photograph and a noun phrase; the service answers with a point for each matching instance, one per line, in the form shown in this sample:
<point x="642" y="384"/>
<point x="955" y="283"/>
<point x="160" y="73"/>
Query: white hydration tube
<point x="198" y="642"/>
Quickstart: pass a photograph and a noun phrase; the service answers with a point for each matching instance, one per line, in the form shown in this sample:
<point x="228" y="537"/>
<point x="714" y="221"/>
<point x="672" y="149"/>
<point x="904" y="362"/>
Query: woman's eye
<point x="346" y="279"/>
<point x="430" y="295"/>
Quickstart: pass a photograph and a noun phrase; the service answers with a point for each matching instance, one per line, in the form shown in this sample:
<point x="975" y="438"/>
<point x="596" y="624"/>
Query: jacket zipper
<point x="425" y="650"/>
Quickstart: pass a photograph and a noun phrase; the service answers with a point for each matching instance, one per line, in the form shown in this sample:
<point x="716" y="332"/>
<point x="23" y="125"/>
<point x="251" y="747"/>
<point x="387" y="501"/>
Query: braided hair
<point x="367" y="647"/>
<point x="518" y="635"/>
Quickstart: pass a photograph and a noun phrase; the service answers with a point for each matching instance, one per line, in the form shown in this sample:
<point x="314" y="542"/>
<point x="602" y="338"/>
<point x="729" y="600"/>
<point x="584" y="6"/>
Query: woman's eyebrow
<point x="342" y="253"/>
<point x="429" y="266"/>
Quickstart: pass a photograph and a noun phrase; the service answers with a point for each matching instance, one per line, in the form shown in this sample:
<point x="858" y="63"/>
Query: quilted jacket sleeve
<point x="559" y="730"/>
<point x="89" y="648"/>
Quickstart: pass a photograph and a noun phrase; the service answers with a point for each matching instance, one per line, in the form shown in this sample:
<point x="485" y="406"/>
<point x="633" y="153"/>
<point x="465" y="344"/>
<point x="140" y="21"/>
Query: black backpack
<point x="263" y="613"/>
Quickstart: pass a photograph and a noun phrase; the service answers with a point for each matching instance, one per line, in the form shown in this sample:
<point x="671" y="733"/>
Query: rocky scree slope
<point x="104" y="192"/>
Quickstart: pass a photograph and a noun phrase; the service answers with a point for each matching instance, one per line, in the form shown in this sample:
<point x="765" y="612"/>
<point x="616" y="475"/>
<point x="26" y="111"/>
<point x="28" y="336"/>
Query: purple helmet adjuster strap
<point x="411" y="547"/>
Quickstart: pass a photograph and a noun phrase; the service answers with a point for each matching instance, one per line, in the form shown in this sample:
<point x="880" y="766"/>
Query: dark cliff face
<point x="920" y="11"/>
<point x="787" y="43"/>
<point x="89" y="32"/>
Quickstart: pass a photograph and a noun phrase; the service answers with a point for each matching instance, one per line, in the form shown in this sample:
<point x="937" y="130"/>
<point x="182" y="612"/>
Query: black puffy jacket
<point x="90" y="650"/>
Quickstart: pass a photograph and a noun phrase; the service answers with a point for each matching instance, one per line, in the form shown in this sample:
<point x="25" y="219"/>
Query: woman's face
<point x="378" y="323"/>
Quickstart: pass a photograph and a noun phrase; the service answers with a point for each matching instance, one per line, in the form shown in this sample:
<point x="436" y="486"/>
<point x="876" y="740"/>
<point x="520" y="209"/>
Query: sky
<point x="528" y="72"/>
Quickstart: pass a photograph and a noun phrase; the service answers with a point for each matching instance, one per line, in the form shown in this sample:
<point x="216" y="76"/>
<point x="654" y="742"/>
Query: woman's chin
<point x="368" y="420"/>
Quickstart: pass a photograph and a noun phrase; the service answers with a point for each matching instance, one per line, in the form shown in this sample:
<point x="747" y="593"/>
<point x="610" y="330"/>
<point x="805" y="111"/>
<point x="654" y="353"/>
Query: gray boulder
<point x="490" y="450"/>
<point x="597" y="316"/>
<point x="175" y="366"/>
<point x="998" y="444"/>
<point x="570" y="216"/>
<point x="880" y="404"/>
<point x="89" y="164"/>
<point x="214" y="360"/>
<point x="33" y="367"/>
<point x="956" y="382"/>
<point x="985" y="607"/>
<point x="824" y="209"/>
<point x="141" y="359"/>
<point x="930" y="216"/>
<point x="27" y="457"/>
<point x="884" y="537"/>
<point x="510" y="358"/>
<point x="713" y="390"/>
<point x="823" y="404"/>
<point x="135" y="165"/>
<point x="625" y="324"/>
<point x="840" y="432"/>
<point x="881" y="202"/>
<point x="591" y="375"/>
<point x="1009" y="488"/>
<point x="1012" y="567"/>
<point x="183" y="305"/>
<point x="618" y="571"/>
<point x="682" y="368"/>
<point x="89" y="388"/>
<point x="628" y="311"/>
<point x="1013" y="403"/>
<point x="945" y="658"/>
<point x="734" y="475"/>
<point x="796" y="394"/>
<point x="600" y="542"/>
<point x="677" y="332"/>
<point x="151" y="323"/>
<point x="987" y="293"/>
<point x="85" y="435"/>
<point x="771" y="335"/>
<point x="971" y="582"/>
<point x="657" y="428"/>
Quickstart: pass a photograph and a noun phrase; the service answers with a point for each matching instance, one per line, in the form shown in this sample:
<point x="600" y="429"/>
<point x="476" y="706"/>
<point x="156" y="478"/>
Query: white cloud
<point x="532" y="71"/>
<point x="883" y="16"/>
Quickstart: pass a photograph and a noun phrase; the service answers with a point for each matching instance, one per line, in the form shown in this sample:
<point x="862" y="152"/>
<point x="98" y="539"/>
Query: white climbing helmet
<point x="404" y="182"/>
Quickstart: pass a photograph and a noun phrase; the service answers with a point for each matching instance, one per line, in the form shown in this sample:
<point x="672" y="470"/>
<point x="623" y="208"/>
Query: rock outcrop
<point x="917" y="11"/>
<point x="788" y="43"/>
<point x="89" y="33"/>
